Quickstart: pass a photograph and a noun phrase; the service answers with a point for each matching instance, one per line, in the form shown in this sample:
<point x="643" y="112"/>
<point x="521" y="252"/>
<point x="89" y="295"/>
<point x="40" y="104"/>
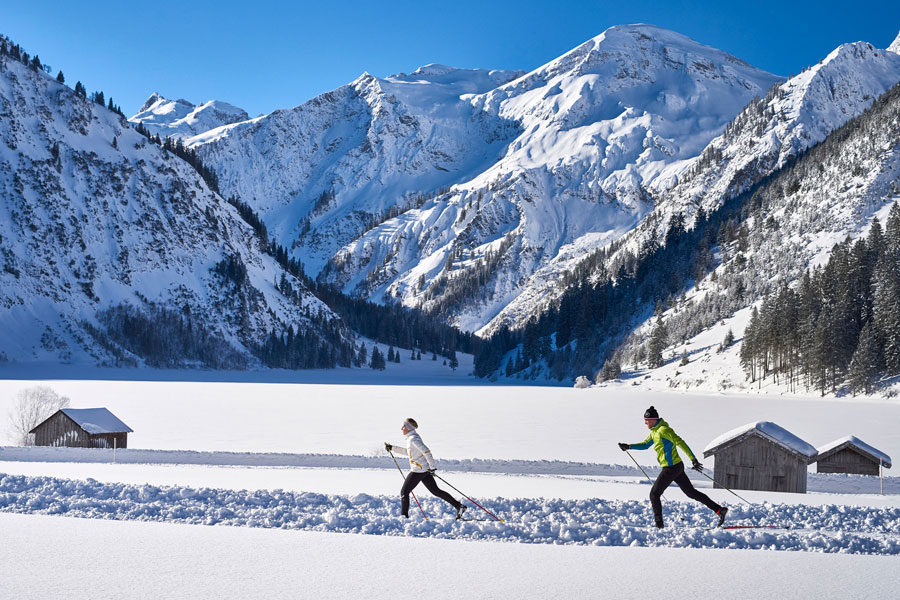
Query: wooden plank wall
<point x="60" y="430"/>
<point x="758" y="464"/>
<point x="848" y="461"/>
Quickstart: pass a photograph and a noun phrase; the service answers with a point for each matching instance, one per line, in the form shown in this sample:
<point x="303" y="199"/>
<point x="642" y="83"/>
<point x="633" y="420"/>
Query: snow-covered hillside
<point x="770" y="131"/>
<point x="321" y="173"/>
<point x="599" y="128"/>
<point x="181" y="119"/>
<point x="415" y="186"/>
<point x="110" y="244"/>
<point x="792" y="223"/>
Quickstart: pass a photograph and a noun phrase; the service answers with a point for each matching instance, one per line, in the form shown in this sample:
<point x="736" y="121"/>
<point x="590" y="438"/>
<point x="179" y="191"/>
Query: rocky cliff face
<point x="109" y="243"/>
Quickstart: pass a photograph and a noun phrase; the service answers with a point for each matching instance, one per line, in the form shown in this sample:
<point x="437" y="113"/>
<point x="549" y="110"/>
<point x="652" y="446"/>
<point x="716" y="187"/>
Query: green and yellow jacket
<point x="664" y="440"/>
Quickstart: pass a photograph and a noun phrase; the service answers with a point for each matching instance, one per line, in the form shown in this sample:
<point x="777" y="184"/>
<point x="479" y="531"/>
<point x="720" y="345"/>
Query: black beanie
<point x="651" y="413"/>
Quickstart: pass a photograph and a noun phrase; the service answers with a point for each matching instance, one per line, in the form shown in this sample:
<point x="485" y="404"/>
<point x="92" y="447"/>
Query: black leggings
<point x="412" y="480"/>
<point x="666" y="477"/>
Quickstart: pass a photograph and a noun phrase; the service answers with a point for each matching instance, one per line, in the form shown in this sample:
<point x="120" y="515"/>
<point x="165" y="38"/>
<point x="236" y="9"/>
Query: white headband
<point x="408" y="424"/>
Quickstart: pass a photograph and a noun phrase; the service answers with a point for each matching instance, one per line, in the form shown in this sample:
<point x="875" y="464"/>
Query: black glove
<point x="432" y="471"/>
<point x="623" y="446"/>
<point x="387" y="447"/>
<point x="697" y="466"/>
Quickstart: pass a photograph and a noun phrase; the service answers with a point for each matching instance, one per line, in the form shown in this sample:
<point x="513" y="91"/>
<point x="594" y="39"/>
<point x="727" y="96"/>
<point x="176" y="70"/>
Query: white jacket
<point x="420" y="459"/>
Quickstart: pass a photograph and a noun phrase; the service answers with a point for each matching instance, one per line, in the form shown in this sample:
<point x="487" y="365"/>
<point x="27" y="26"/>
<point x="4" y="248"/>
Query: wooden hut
<point x="761" y="456"/>
<point x="82" y="428"/>
<point x="851" y="455"/>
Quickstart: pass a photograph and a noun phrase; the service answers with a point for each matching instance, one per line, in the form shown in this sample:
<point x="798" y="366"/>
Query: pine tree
<point x="79" y="90"/>
<point x="864" y="365"/>
<point x="390" y="354"/>
<point x="658" y="340"/>
<point x="377" y="360"/>
<point x="454" y="362"/>
<point x="60" y="77"/>
<point x="748" y="346"/>
<point x="728" y="341"/>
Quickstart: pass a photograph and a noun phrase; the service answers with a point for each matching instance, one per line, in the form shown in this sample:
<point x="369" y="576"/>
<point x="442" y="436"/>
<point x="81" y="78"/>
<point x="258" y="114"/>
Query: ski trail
<point x="830" y="528"/>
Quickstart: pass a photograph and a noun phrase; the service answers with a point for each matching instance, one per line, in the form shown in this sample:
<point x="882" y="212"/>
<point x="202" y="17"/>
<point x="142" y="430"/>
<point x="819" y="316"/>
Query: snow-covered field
<point x="297" y="475"/>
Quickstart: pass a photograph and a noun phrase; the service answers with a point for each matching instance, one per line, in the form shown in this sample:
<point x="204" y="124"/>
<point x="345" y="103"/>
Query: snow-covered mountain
<point x="832" y="193"/>
<point x="770" y="131"/>
<point x="321" y="173"/>
<point x="454" y="189"/>
<point x="114" y="250"/>
<point x="599" y="130"/>
<point x="181" y="119"/>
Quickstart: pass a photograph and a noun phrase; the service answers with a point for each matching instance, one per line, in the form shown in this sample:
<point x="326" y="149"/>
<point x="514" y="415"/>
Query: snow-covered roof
<point x="96" y="420"/>
<point x="766" y="429"/>
<point x="852" y="440"/>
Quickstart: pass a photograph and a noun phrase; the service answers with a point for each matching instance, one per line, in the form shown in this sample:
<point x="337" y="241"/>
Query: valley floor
<point x="221" y="508"/>
<point x="129" y="559"/>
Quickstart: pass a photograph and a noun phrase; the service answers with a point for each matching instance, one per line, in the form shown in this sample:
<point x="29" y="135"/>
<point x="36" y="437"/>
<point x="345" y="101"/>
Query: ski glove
<point x="697" y="466"/>
<point x="387" y="447"/>
<point x="432" y="471"/>
<point x="623" y="446"/>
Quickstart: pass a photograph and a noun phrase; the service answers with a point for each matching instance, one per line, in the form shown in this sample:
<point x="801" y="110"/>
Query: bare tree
<point x="31" y="407"/>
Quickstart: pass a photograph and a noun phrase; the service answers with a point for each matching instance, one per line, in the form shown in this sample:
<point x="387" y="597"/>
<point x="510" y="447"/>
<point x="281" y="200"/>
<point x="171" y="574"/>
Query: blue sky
<point x="264" y="55"/>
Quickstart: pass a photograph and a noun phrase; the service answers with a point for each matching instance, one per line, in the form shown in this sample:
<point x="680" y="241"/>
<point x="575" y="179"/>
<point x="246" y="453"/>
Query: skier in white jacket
<point x="421" y="469"/>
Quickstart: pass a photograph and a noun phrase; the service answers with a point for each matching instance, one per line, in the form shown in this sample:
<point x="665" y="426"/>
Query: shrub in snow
<point x="582" y="382"/>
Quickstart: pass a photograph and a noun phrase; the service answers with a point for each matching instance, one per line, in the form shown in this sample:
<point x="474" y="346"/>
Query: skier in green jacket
<point x="664" y="440"/>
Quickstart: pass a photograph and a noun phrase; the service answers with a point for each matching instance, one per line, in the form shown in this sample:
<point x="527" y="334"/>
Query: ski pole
<point x="722" y="486"/>
<point x="469" y="499"/>
<point x="638" y="466"/>
<point x="411" y="492"/>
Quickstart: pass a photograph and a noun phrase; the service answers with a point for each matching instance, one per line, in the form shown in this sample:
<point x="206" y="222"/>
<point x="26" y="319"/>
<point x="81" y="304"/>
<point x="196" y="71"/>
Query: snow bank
<point x="598" y="522"/>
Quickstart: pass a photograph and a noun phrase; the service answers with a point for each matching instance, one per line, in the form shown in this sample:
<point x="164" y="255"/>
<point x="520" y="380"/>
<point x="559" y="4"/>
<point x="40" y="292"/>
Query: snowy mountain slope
<point x="321" y="173"/>
<point x="599" y="129"/>
<point x="769" y="132"/>
<point x="181" y="119"/>
<point x="832" y="193"/>
<point x="108" y="241"/>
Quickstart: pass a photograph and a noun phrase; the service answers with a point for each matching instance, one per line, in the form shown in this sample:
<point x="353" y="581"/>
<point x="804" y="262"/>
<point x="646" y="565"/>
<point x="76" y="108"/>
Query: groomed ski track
<point x="594" y="521"/>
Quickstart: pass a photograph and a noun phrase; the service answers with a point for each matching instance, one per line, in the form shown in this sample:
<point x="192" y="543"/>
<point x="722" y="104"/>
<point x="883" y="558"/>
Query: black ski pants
<point x="412" y="480"/>
<point x="676" y="474"/>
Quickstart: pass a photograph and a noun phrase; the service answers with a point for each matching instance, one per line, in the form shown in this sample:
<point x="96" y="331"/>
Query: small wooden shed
<point x="761" y="456"/>
<point x="82" y="428"/>
<point x="851" y="455"/>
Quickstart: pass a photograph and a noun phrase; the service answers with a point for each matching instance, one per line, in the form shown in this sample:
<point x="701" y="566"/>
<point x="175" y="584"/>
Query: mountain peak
<point x="153" y="99"/>
<point x="895" y="46"/>
<point x="181" y="118"/>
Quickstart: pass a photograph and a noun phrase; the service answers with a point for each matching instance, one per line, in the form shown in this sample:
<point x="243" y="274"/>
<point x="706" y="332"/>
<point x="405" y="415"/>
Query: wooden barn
<point x="82" y="428"/>
<point x="851" y="455"/>
<point x="761" y="456"/>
